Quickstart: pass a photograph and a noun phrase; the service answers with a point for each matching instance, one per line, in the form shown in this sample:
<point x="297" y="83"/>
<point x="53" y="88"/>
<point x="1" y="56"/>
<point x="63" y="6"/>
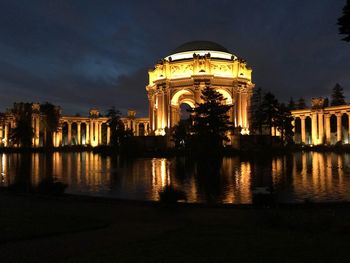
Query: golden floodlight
<point x="180" y="77"/>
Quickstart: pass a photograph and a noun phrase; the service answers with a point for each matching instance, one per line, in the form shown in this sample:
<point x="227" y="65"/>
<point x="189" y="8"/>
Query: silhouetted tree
<point x="23" y="133"/>
<point x="283" y="122"/>
<point x="181" y="133"/>
<point x="291" y="104"/>
<point x="269" y="111"/>
<point x="256" y="113"/>
<point x="117" y="127"/>
<point x="344" y="22"/>
<point x="51" y="117"/>
<point x="338" y="97"/>
<point x="211" y="121"/>
<point x="301" y="104"/>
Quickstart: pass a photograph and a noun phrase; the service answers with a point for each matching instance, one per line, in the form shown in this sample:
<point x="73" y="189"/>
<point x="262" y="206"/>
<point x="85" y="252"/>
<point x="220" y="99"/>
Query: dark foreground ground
<point x="71" y="229"/>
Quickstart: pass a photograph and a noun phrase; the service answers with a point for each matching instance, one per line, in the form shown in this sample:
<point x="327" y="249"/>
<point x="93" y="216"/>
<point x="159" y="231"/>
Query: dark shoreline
<point x="110" y="151"/>
<point x="41" y="228"/>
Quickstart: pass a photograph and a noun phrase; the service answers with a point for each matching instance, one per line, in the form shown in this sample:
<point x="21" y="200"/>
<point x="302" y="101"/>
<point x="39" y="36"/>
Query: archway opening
<point x="74" y="133"/>
<point x="141" y="129"/>
<point x="83" y="133"/>
<point x="227" y="96"/>
<point x="65" y="133"/>
<point x="185" y="113"/>
<point x="297" y="130"/>
<point x="333" y="121"/>
<point x="345" y="128"/>
<point x="104" y="138"/>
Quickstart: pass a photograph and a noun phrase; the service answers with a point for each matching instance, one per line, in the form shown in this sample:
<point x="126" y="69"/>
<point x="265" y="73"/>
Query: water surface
<point x="319" y="177"/>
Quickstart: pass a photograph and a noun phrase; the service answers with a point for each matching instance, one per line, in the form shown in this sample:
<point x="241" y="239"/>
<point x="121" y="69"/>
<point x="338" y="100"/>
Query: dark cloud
<point x="83" y="54"/>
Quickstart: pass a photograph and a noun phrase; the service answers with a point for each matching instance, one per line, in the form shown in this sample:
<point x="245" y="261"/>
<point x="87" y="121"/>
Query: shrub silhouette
<point x="171" y="195"/>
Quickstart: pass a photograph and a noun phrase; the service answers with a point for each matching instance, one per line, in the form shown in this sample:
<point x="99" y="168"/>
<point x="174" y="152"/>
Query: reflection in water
<point x="293" y="178"/>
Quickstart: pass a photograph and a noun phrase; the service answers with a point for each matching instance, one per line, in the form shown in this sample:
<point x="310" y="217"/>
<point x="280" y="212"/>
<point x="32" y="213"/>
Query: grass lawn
<point x="71" y="229"/>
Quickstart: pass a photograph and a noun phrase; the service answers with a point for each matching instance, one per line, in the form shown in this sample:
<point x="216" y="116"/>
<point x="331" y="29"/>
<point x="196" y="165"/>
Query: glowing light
<point x="189" y="54"/>
<point x="177" y="95"/>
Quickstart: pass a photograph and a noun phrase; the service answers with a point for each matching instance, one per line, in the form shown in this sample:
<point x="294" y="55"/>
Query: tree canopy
<point x="23" y="133"/>
<point x="117" y="128"/>
<point x="211" y="121"/>
<point x="344" y="22"/>
<point x="51" y="114"/>
<point x="301" y="104"/>
<point x="338" y="97"/>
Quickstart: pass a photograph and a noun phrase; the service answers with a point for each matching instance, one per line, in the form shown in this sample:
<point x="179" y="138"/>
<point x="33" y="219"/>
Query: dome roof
<point x="199" y="45"/>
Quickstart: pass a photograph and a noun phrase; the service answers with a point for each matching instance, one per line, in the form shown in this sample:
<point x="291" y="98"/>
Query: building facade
<point x="175" y="80"/>
<point x="322" y="124"/>
<point x="180" y="78"/>
<point x="72" y="130"/>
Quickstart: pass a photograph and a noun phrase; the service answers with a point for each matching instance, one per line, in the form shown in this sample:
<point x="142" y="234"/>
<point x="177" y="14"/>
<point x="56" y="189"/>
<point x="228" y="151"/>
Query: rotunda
<point x="180" y="77"/>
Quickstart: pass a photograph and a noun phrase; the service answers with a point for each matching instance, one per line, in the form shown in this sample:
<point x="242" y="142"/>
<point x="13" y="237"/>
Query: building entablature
<point x="331" y="110"/>
<point x="322" y="125"/>
<point x="181" y="77"/>
<point x="205" y="67"/>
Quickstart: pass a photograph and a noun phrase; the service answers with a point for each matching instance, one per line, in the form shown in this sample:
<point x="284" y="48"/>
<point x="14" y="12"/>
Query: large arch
<point x="308" y="130"/>
<point x="176" y="97"/>
<point x="297" y="130"/>
<point x="226" y="94"/>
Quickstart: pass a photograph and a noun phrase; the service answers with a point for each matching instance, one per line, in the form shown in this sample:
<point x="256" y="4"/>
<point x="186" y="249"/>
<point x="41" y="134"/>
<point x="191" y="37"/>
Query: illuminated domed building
<point x="180" y="77"/>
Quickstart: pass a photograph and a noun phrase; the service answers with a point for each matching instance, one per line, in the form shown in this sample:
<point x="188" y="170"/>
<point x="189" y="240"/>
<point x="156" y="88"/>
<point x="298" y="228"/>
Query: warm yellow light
<point x="189" y="54"/>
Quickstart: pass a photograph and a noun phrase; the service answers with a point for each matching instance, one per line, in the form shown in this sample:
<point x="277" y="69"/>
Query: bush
<point x="170" y="195"/>
<point x="50" y="187"/>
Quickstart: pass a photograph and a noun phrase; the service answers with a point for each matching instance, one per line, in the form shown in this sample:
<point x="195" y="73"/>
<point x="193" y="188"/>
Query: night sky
<point x="83" y="54"/>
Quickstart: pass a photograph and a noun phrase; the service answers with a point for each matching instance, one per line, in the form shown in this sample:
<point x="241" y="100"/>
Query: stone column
<point x="79" y="132"/>
<point x="328" y="128"/>
<point x="150" y="112"/>
<point x="239" y="109"/>
<point x="92" y="133"/>
<point x="303" y="130"/>
<point x="60" y="136"/>
<point x="338" y="127"/>
<point x="6" y="135"/>
<point x="349" y="127"/>
<point x="33" y="127"/>
<point x="96" y="133"/>
<point x="1" y="133"/>
<point x="293" y="129"/>
<point x="54" y="139"/>
<point x="37" y="131"/>
<point x="320" y="128"/>
<point x="69" y="135"/>
<point x="99" y="133"/>
<point x="87" y="133"/>
<point x="108" y="135"/>
<point x="244" y="111"/>
<point x="314" y="127"/>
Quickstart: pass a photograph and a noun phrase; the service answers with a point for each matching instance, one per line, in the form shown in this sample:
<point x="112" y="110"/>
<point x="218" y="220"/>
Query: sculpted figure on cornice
<point x="222" y="68"/>
<point x="181" y="69"/>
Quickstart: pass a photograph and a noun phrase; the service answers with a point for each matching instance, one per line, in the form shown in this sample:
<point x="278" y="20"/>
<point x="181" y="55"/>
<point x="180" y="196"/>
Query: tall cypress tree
<point x="301" y="104"/>
<point x="344" y="22"/>
<point x="256" y="113"/>
<point x="338" y="97"/>
<point x="269" y="109"/>
<point x="51" y="120"/>
<point x="23" y="133"/>
<point x="291" y="104"/>
<point x="211" y="121"/>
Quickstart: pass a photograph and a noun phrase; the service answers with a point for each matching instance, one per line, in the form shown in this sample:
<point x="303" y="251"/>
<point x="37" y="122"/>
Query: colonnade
<point x="320" y="122"/>
<point x="93" y="132"/>
<point x="4" y="134"/>
<point x="165" y="103"/>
